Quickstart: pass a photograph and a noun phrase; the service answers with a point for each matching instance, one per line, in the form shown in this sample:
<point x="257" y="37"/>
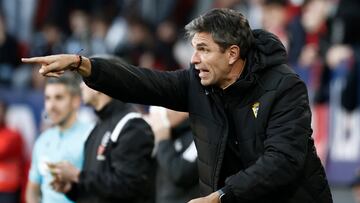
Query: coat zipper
<point x="218" y="163"/>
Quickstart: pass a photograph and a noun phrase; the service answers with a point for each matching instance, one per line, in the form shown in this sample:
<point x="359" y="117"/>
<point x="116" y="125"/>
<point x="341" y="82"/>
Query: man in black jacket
<point x="118" y="166"/>
<point x="249" y="111"/>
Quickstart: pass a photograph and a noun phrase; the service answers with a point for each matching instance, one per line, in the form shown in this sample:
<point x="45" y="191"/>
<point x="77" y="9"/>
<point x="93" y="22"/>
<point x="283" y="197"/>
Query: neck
<point x="102" y="101"/>
<point x="235" y="73"/>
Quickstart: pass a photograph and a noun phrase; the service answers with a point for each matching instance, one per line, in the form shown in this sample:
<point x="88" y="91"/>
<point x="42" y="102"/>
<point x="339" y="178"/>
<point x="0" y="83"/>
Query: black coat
<point x="268" y="107"/>
<point x="117" y="169"/>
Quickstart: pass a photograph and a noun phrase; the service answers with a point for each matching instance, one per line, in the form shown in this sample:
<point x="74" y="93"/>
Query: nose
<point x="49" y="106"/>
<point x="195" y="59"/>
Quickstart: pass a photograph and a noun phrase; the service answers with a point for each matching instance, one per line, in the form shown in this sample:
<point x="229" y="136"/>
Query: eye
<point x="203" y="49"/>
<point x="59" y="97"/>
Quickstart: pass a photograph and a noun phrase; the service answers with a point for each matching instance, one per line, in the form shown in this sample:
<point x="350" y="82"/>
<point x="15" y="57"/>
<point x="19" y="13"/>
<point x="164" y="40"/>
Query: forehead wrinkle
<point x="201" y="44"/>
<point x="201" y="38"/>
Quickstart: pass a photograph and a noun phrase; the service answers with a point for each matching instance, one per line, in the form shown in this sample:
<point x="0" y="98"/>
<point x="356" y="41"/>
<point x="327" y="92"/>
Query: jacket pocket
<point x="251" y="149"/>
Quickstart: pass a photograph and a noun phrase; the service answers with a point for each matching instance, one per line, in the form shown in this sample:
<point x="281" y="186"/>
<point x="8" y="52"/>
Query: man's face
<point x="88" y="95"/>
<point x="59" y="103"/>
<point x="212" y="64"/>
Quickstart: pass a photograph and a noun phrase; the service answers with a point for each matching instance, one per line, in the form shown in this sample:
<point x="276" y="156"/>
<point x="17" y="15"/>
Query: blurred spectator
<point x="308" y="42"/>
<point x="182" y="52"/>
<point x="156" y="11"/>
<point x="139" y="41"/>
<point x="117" y="33"/>
<point x="110" y="8"/>
<point x="345" y="50"/>
<point x="50" y="40"/>
<point x="350" y="98"/>
<point x="99" y="27"/>
<point x="21" y="118"/>
<point x="64" y="141"/>
<point x="344" y="29"/>
<point x="80" y="38"/>
<point x="275" y="19"/>
<point x="19" y="17"/>
<point x="86" y="37"/>
<point x="166" y="36"/>
<point x="58" y="12"/>
<point x="16" y="31"/>
<point x="177" y="174"/>
<point x="12" y="161"/>
<point x="255" y="13"/>
<point x="9" y="58"/>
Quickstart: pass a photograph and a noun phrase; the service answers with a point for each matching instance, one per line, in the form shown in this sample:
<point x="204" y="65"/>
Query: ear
<point x="234" y="54"/>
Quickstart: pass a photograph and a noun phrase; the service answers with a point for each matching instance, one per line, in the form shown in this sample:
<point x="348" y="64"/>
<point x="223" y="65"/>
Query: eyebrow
<point x="202" y="44"/>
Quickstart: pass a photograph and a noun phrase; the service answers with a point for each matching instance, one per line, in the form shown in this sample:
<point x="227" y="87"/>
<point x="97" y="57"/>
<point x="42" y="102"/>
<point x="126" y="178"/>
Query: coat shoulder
<point x="271" y="79"/>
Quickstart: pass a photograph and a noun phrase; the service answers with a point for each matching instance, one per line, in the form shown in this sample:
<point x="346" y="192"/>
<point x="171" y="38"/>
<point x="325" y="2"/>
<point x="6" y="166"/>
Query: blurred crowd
<point x="321" y="38"/>
<point x="319" y="35"/>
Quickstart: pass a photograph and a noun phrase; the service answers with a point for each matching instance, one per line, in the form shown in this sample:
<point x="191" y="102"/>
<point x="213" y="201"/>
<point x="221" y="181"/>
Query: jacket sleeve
<point x="181" y="171"/>
<point x="288" y="135"/>
<point x="139" y="85"/>
<point x="132" y="169"/>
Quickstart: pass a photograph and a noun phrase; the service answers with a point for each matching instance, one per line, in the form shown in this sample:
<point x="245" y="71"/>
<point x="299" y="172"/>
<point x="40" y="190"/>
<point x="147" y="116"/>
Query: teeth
<point x="202" y="74"/>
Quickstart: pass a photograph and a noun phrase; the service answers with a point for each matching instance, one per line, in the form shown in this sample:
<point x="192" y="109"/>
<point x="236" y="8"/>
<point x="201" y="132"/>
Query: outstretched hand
<point x="56" y="65"/>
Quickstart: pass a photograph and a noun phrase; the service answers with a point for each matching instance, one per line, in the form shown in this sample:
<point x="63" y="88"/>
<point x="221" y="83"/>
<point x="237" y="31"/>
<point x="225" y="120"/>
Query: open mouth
<point x="203" y="73"/>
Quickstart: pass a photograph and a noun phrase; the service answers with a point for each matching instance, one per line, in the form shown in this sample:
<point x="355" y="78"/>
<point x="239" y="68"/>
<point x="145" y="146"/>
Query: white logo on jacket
<point x="101" y="148"/>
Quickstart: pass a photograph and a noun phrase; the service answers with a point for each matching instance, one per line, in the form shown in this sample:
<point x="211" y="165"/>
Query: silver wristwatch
<point x="221" y="195"/>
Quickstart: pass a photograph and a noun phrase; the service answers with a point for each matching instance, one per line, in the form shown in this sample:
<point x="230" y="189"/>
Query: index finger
<point x="34" y="60"/>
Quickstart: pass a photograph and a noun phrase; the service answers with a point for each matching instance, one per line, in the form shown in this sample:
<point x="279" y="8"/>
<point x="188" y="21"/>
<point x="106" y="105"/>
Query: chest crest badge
<point x="255" y="108"/>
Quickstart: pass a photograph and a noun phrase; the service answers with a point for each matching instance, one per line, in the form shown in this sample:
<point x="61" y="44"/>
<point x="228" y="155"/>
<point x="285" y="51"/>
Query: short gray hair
<point x="70" y="80"/>
<point x="226" y="26"/>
